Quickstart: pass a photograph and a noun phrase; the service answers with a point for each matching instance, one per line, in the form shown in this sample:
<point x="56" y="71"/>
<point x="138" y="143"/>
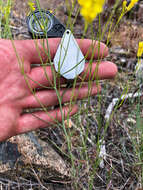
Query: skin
<point x="15" y="95"/>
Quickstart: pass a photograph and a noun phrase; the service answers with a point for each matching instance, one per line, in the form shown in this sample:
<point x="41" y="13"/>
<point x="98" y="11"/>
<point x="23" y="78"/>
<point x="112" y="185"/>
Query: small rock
<point x="21" y="153"/>
<point x="119" y="50"/>
<point x="131" y="120"/>
<point x="123" y="60"/>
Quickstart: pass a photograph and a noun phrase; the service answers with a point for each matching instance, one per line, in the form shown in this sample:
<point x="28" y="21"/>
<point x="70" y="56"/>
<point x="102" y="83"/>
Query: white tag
<point x="69" y="60"/>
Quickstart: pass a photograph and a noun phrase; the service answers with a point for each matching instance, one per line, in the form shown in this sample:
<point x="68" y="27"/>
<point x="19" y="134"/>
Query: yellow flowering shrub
<point x="91" y="8"/>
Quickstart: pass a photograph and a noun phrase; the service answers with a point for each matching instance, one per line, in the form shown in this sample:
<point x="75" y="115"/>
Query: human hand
<point x="15" y="95"/>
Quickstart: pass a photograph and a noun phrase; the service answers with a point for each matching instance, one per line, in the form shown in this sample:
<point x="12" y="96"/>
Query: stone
<point x="23" y="153"/>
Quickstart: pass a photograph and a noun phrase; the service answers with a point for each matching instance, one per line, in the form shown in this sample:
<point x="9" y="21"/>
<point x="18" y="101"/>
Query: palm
<point x="15" y="95"/>
<point x="13" y="89"/>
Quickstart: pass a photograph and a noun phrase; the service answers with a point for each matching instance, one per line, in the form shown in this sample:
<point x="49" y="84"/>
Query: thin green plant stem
<point x="43" y="66"/>
<point x="6" y="17"/>
<point x="21" y="65"/>
<point x="110" y="18"/>
<point x="1" y="3"/>
<point x="69" y="20"/>
<point x="39" y="84"/>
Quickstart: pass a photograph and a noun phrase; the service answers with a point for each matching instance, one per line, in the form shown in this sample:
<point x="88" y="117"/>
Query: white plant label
<point x="69" y="60"/>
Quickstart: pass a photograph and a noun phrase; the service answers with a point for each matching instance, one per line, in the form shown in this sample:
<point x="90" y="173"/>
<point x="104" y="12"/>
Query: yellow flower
<point x="140" y="49"/>
<point x="91" y="8"/>
<point x="5" y="10"/>
<point x="131" y="5"/>
<point x="50" y="11"/>
<point x="31" y="5"/>
<point x="126" y="8"/>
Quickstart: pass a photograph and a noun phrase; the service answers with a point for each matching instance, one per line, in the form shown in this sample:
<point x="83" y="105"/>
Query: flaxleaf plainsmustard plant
<point x="91" y="8"/>
<point x="31" y="4"/>
<point x="131" y="5"/>
<point x="126" y="8"/>
<point x="138" y="67"/>
<point x="140" y="49"/>
<point x="5" y="10"/>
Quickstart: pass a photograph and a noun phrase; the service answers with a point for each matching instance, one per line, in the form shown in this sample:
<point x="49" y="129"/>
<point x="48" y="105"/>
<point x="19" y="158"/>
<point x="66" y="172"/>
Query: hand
<point x="15" y="95"/>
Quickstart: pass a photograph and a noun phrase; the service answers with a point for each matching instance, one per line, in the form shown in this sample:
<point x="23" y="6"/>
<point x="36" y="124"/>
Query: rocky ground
<point x="47" y="167"/>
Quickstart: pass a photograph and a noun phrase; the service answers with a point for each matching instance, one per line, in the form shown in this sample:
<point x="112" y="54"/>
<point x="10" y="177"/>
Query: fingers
<point x="34" y="49"/>
<point x="104" y="70"/>
<point x="49" y="98"/>
<point x="29" y="122"/>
